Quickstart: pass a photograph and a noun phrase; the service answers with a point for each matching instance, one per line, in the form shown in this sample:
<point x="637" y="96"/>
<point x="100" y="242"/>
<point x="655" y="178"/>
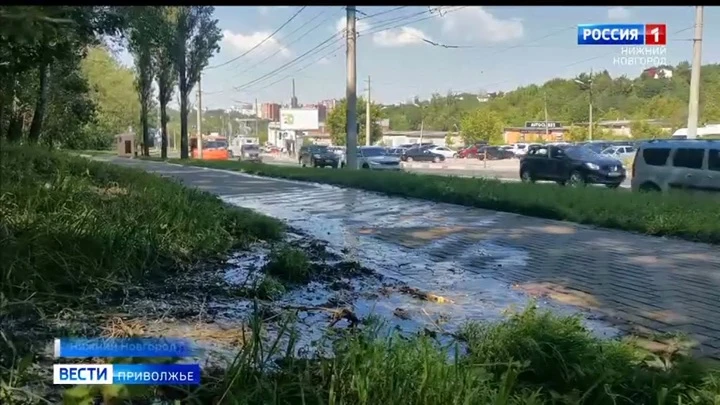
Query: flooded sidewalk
<point x="484" y="261"/>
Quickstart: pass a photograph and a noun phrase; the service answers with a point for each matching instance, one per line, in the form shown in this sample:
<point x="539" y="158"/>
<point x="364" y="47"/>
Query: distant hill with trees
<point x="614" y="98"/>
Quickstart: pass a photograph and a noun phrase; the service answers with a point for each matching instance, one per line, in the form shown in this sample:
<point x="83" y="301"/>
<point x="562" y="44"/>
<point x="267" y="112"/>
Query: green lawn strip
<point x="681" y="215"/>
<point x="69" y="225"/>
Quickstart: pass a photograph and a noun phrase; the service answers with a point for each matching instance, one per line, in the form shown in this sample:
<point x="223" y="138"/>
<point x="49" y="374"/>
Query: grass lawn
<point x="679" y="215"/>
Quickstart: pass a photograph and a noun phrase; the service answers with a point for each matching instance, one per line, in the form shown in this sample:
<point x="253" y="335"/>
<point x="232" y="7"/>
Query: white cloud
<point x="618" y="13"/>
<point x="242" y="43"/>
<point x="399" y="37"/>
<point x="265" y="10"/>
<point x="477" y="24"/>
<point x="360" y="25"/>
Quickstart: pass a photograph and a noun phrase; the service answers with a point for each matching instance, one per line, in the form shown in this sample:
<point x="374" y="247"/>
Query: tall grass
<point x="689" y="217"/>
<point x="69" y="225"/>
<point x="532" y="358"/>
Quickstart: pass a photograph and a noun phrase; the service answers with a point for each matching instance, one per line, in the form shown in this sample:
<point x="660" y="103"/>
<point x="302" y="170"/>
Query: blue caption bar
<point x="156" y="374"/>
<point x="128" y="374"/>
<point x="611" y="34"/>
<point x="129" y="347"/>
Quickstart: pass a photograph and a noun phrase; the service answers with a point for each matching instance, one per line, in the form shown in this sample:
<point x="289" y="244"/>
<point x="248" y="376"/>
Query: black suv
<point x="572" y="165"/>
<point x="317" y="156"/>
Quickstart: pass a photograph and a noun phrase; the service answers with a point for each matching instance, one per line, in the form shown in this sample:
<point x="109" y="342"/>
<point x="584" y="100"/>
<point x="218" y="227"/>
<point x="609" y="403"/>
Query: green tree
<point x="336" y="122"/>
<point x="645" y="130"/>
<point x="141" y="41"/>
<point x="164" y="18"/>
<point x="196" y="39"/>
<point x="481" y="125"/>
<point x="113" y="92"/>
<point x="577" y="133"/>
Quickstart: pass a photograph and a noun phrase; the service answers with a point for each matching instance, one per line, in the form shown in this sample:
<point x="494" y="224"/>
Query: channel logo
<point x="622" y="34"/>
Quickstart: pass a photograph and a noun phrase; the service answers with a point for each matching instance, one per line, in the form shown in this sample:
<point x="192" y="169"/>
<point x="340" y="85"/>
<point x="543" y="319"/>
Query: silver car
<point x="377" y="158"/>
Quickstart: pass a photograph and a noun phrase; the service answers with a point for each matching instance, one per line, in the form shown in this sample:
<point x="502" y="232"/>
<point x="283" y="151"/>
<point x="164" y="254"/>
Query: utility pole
<point x="693" y="111"/>
<point x="351" y="91"/>
<point x="590" y="128"/>
<point x="257" y="117"/>
<point x="547" y="129"/>
<point x="199" y="119"/>
<point x="368" y="125"/>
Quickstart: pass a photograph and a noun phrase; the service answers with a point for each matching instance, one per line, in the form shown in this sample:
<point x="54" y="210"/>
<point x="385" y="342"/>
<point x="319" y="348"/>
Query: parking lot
<point x="504" y="170"/>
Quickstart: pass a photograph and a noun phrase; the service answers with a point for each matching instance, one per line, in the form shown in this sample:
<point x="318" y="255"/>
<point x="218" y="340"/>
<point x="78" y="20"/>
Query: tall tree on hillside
<point x="141" y="41"/>
<point x="165" y="18"/>
<point x="196" y="39"/>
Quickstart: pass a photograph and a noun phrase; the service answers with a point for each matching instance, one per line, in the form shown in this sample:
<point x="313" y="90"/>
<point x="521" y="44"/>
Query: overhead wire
<point x="261" y="42"/>
<point x="327" y="43"/>
<point x="306" y="33"/>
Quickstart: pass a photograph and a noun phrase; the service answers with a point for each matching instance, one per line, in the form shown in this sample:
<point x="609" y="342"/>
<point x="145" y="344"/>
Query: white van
<point x="663" y="165"/>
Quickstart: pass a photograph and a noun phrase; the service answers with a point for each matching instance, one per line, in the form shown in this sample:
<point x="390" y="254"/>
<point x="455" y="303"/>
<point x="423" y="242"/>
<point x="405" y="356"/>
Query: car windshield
<point x="215" y="144"/>
<point x="580" y="153"/>
<point x="251" y="148"/>
<point x="318" y="149"/>
<point x="373" y="152"/>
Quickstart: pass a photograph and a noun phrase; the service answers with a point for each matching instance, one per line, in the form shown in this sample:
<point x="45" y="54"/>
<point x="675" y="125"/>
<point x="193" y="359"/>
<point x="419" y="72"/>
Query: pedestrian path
<point x="641" y="283"/>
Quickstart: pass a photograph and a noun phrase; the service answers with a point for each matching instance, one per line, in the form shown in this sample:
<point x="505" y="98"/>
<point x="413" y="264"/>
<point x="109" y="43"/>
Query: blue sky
<point x="502" y="48"/>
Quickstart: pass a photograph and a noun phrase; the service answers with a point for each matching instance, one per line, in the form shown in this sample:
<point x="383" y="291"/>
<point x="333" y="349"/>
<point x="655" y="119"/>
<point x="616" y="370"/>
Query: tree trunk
<point x="162" y="96"/>
<point x="163" y="136"/>
<point x="145" y="129"/>
<point x="183" y="122"/>
<point x="41" y="104"/>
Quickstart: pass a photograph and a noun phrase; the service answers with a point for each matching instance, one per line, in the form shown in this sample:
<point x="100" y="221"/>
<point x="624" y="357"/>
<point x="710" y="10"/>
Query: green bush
<point x="681" y="215"/>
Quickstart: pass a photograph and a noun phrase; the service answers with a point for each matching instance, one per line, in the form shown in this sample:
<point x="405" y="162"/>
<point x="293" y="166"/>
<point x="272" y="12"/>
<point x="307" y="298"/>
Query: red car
<point x="470" y="152"/>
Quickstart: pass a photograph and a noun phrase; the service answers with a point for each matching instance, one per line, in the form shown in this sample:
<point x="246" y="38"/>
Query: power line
<point x="337" y="36"/>
<point x="287" y="45"/>
<point x="261" y="42"/>
<point x="282" y="67"/>
<point x="330" y="54"/>
<point x="379" y="13"/>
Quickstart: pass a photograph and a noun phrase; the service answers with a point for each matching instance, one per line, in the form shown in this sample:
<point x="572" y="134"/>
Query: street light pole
<point x="693" y="109"/>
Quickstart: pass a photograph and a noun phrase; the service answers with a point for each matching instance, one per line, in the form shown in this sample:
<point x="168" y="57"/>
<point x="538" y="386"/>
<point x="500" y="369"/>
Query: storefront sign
<point x="542" y="124"/>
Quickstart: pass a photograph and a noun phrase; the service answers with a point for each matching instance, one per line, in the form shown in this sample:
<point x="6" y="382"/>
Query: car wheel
<point x="436" y="159"/>
<point x="526" y="176"/>
<point x="408" y="159"/>
<point x="455" y="155"/>
<point x="302" y="164"/>
<point x="576" y="179"/>
<point x="365" y="166"/>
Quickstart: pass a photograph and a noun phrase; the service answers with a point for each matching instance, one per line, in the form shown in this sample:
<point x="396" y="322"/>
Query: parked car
<point x="471" y="151"/>
<point x="620" y="152"/>
<point x="519" y="149"/>
<point x="574" y="165"/>
<point x="421" y="155"/>
<point x="663" y="165"/>
<point x="377" y="158"/>
<point x="317" y="156"/>
<point x="494" y="153"/>
<point x="443" y="150"/>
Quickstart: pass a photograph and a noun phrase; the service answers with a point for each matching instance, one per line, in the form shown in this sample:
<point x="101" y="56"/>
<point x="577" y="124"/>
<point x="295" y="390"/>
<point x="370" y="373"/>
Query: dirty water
<point x="413" y="245"/>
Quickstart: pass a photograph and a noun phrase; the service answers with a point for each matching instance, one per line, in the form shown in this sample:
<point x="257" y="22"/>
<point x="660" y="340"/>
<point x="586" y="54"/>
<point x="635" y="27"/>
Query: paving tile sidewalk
<point x="644" y="284"/>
